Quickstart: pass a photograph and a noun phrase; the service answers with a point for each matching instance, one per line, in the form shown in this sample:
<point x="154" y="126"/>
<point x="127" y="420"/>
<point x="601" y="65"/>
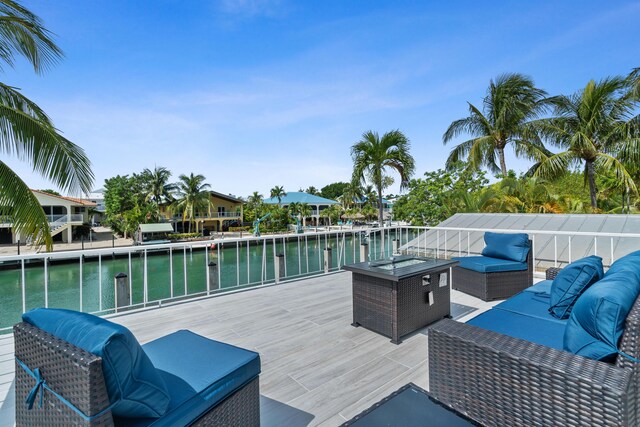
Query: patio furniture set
<point x="561" y="352"/>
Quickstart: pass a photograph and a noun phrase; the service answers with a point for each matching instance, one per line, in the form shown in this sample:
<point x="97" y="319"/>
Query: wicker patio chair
<point x="76" y="376"/>
<point x="492" y="286"/>
<point x="503" y="381"/>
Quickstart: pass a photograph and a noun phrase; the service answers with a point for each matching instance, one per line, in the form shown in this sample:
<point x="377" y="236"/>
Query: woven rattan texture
<point x="552" y="272"/>
<point x="70" y="371"/>
<point x="498" y="380"/>
<point x="77" y="375"/>
<point x="241" y="409"/>
<point x="395" y="309"/>
<point x="492" y="286"/>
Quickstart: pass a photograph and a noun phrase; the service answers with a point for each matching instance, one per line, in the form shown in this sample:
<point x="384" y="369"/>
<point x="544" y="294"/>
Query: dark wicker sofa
<point x="74" y="391"/>
<point x="499" y="380"/>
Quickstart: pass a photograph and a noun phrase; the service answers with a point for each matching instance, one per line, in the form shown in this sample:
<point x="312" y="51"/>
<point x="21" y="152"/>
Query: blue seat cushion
<point x="199" y="374"/>
<point x="544" y="332"/>
<point x="542" y="287"/>
<point x="530" y="304"/>
<point x="134" y="386"/>
<point x="513" y="247"/>
<point x="484" y="264"/>
<point x="597" y="320"/>
<point x="571" y="282"/>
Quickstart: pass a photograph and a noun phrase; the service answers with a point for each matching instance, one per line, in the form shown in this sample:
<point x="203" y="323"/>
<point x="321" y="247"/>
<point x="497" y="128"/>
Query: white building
<point x="63" y="213"/>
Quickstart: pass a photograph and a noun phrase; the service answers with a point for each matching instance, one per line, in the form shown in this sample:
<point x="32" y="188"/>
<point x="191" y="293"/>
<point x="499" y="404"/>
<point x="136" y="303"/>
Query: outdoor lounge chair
<point x="504" y="367"/>
<point x="504" y="268"/>
<point x="192" y="380"/>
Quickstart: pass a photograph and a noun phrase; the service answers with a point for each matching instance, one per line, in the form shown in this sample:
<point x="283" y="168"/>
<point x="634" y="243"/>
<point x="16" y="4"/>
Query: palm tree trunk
<point x="591" y="177"/>
<point x="380" y="214"/>
<point x="503" y="163"/>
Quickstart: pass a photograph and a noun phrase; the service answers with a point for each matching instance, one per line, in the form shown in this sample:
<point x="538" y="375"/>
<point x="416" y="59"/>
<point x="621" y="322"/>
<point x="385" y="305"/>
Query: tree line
<point x="136" y="199"/>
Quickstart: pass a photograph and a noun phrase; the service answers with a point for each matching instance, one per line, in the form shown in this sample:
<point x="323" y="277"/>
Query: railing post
<point x="364" y="252"/>
<point x="123" y="297"/>
<point x="327" y="260"/>
<point x="18" y="246"/>
<point x="395" y="246"/>
<point x="279" y="267"/>
<point x="213" y="276"/>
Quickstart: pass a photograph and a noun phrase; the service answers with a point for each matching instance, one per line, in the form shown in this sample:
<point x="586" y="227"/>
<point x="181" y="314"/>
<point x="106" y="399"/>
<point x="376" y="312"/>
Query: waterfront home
<point x="63" y="213"/>
<point x="317" y="204"/>
<point x="223" y="211"/>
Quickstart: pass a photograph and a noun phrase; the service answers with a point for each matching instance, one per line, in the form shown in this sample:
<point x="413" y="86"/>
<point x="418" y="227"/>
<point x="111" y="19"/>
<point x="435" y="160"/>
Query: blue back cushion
<point x="514" y="247"/>
<point x="134" y="386"/>
<point x="629" y="263"/>
<point x="571" y="281"/>
<point x="597" y="319"/>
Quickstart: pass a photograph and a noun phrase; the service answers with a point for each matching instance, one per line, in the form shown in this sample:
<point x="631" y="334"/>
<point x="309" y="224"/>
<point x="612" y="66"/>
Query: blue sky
<point x="254" y="94"/>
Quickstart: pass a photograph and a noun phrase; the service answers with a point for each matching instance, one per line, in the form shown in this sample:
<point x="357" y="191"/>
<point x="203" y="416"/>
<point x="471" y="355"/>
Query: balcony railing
<point x="167" y="273"/>
<point x="212" y="215"/>
<point x="53" y="220"/>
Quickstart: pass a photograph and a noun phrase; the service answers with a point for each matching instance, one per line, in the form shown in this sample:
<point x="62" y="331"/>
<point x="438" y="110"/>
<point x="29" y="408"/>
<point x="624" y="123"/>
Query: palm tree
<point x="312" y="190"/>
<point x="278" y="192"/>
<point x="157" y="186"/>
<point x="510" y="102"/>
<point x="28" y="133"/>
<point x="305" y="212"/>
<point x="372" y="156"/>
<point x="352" y="194"/>
<point x="594" y="126"/>
<point x="255" y="199"/>
<point x="634" y="81"/>
<point x="191" y="195"/>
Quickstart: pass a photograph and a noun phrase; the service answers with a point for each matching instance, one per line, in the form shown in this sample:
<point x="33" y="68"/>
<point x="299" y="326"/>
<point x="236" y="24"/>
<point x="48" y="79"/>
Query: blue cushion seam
<point x="572" y="299"/>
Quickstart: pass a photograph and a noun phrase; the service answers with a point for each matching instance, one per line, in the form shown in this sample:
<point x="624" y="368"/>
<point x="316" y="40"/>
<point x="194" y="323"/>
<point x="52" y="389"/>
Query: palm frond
<point x="555" y="165"/>
<point x="610" y="163"/>
<point x="23" y="34"/>
<point x="27" y="133"/>
<point x="28" y="217"/>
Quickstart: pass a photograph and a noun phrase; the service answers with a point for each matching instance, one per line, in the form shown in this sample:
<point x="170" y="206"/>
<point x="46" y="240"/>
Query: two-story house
<point x="223" y="210"/>
<point x="63" y="213"/>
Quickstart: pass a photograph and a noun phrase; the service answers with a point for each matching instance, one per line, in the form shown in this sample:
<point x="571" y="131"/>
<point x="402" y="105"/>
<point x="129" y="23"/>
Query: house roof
<point x="162" y="227"/>
<point x="300" y="197"/>
<point x="82" y="202"/>
<point x="226" y="197"/>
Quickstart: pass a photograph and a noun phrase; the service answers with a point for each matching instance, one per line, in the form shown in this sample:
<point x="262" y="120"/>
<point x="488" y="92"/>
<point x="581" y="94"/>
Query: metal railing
<point x="212" y="215"/>
<point x="167" y="273"/>
<point x="550" y="248"/>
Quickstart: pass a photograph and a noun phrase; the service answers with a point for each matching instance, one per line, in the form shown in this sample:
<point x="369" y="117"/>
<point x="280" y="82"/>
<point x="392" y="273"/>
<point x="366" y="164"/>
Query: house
<point x="387" y="206"/>
<point x="63" y="213"/>
<point x="223" y="211"/>
<point x="97" y="214"/>
<point x="317" y="203"/>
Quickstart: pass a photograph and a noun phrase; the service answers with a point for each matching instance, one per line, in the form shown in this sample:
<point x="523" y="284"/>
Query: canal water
<point x="89" y="285"/>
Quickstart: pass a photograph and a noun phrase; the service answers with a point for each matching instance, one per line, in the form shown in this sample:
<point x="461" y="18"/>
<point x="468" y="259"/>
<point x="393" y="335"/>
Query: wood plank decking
<point x="317" y="369"/>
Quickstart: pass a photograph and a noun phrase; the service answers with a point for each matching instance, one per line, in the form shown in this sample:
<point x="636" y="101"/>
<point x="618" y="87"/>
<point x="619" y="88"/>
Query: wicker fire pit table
<point x="397" y="296"/>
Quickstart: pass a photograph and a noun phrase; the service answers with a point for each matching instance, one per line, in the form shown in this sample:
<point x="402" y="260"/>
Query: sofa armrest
<point x="499" y="380"/>
<point x="552" y="272"/>
<point x="72" y="372"/>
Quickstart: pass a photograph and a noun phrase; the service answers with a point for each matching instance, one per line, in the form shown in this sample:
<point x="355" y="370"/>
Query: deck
<point x="316" y="368"/>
